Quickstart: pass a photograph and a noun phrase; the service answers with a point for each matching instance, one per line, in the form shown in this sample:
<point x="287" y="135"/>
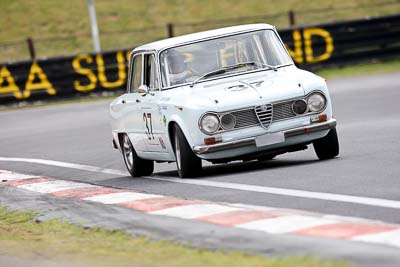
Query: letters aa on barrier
<point x="55" y="77"/>
<point x="312" y="47"/>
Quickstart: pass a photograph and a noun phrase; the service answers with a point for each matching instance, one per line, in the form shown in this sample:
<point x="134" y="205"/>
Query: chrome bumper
<point x="316" y="127"/>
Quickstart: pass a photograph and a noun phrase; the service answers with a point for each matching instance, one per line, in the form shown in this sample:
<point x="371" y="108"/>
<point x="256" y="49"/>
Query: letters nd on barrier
<point x="311" y="47"/>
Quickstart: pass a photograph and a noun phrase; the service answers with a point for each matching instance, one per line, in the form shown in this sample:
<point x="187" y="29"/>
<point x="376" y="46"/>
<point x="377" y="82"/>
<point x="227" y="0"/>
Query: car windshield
<point x="232" y="54"/>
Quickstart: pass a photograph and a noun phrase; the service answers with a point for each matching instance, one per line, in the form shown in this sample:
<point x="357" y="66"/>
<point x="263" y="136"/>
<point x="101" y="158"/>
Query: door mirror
<point x="143" y="89"/>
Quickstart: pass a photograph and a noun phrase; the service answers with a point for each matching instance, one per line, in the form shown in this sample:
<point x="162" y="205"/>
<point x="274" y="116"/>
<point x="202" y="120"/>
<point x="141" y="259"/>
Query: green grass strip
<point x="361" y="69"/>
<point x="24" y="239"/>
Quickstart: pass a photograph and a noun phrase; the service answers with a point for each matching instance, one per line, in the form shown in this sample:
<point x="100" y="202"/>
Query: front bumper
<point x="316" y="127"/>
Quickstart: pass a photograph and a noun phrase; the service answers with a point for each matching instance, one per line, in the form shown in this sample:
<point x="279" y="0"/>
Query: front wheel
<point x="327" y="147"/>
<point x="266" y="157"/>
<point x="136" y="166"/>
<point x="187" y="163"/>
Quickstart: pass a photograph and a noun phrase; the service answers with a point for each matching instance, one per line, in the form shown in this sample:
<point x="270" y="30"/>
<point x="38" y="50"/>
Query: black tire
<point x="328" y="146"/>
<point x="187" y="163"/>
<point x="266" y="158"/>
<point x="136" y="166"/>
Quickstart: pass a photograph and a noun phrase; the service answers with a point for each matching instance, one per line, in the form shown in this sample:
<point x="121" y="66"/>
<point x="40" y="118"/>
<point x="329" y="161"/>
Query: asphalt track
<point x="363" y="182"/>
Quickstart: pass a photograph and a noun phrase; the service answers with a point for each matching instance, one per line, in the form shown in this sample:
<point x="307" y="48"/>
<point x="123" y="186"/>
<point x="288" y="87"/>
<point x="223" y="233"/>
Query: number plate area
<point x="270" y="139"/>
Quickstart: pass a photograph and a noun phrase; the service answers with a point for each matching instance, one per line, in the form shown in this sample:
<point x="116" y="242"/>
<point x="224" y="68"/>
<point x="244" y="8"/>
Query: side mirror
<point x="143" y="89"/>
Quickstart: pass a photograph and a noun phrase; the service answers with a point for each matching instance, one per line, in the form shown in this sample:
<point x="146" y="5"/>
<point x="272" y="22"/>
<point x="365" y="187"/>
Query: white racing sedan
<point x="220" y="95"/>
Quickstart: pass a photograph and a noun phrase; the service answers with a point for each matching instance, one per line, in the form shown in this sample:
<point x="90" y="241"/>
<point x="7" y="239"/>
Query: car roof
<point x="159" y="45"/>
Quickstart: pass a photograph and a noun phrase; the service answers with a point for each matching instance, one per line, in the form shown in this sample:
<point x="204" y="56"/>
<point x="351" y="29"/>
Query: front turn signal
<point x="212" y="140"/>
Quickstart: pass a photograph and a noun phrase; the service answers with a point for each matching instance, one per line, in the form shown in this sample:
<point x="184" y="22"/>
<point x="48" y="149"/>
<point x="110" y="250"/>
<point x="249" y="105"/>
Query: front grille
<point x="245" y="118"/>
<point x="283" y="111"/>
<point x="264" y="114"/>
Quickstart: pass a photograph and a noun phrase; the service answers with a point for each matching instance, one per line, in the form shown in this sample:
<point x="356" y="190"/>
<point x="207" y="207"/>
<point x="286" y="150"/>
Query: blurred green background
<point x="60" y="27"/>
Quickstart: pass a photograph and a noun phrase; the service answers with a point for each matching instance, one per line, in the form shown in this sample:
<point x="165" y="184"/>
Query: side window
<point x="136" y="79"/>
<point x="150" y="72"/>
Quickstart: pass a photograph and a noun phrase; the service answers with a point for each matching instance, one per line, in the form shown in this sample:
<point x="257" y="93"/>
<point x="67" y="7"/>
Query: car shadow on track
<point x="242" y="167"/>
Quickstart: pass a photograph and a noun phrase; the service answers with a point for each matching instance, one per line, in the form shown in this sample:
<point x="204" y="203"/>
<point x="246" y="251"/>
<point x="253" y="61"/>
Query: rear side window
<point x="136" y="79"/>
<point x="150" y="72"/>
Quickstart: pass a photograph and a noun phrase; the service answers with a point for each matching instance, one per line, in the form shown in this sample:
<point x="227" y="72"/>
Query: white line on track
<point x="54" y="186"/>
<point x="11" y="176"/>
<point x="388" y="237"/>
<point x="378" y="202"/>
<point x="286" y="224"/>
<point x="65" y="165"/>
<point x="194" y="211"/>
<point x="115" y="198"/>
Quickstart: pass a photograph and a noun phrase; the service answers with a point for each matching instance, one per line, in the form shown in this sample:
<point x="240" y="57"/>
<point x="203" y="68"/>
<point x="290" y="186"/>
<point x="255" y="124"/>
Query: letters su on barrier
<point x="89" y="72"/>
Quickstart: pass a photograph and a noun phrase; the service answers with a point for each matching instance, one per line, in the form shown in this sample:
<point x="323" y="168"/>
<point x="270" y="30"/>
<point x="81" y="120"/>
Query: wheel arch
<point x="171" y="133"/>
<point x="177" y="121"/>
<point x="117" y="140"/>
<point x="120" y="135"/>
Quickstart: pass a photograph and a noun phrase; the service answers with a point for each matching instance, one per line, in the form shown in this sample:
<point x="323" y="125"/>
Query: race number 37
<point x="149" y="125"/>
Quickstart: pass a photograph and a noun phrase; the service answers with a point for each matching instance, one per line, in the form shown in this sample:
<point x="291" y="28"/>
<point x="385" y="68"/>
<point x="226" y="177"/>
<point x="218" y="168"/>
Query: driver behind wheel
<point x="178" y="70"/>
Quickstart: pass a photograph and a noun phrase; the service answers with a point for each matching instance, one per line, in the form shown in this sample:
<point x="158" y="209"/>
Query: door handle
<point x="123" y="101"/>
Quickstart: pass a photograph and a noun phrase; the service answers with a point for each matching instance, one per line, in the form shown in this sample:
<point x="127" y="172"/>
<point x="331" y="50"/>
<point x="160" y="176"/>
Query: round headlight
<point x="209" y="123"/>
<point x="228" y="121"/>
<point x="299" y="107"/>
<point x="316" y="102"/>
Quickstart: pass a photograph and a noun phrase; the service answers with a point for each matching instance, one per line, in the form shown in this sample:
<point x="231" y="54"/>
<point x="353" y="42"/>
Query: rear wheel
<point x="266" y="157"/>
<point x="135" y="165"/>
<point x="187" y="163"/>
<point x="328" y="146"/>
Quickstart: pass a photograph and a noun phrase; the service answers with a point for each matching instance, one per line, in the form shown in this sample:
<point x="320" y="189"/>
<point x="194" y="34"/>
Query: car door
<point x="153" y="118"/>
<point x="131" y="104"/>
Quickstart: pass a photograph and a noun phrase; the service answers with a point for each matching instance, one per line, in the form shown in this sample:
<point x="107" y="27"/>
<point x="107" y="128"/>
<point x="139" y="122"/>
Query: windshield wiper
<point x="208" y="74"/>
<point x="236" y="66"/>
<point x="260" y="64"/>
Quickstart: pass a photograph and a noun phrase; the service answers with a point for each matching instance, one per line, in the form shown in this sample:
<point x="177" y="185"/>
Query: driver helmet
<point x="176" y="62"/>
